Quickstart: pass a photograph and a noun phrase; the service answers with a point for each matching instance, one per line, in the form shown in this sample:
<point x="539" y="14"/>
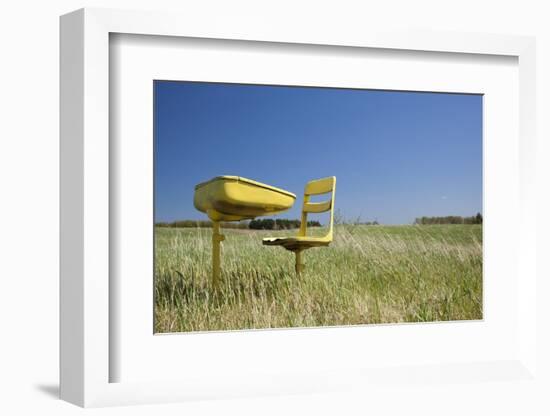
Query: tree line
<point x="286" y="224"/>
<point x="201" y="224"/>
<point x="279" y="224"/>
<point x="261" y="224"/>
<point x="450" y="219"/>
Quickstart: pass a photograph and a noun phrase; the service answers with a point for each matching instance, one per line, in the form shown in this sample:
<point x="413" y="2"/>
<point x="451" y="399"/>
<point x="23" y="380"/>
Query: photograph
<point x="288" y="206"/>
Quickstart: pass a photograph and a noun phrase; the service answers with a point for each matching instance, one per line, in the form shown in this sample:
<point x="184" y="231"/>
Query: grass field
<point x="369" y="274"/>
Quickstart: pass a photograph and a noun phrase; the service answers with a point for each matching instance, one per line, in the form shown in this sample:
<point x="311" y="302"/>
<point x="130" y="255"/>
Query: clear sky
<point x="396" y="155"/>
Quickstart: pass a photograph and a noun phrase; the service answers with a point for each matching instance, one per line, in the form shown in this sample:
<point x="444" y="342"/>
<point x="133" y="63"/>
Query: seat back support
<point x="318" y="187"/>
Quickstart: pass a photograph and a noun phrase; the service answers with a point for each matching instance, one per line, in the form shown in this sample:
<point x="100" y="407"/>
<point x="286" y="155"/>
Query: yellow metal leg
<point x="217" y="238"/>
<point x="299" y="265"/>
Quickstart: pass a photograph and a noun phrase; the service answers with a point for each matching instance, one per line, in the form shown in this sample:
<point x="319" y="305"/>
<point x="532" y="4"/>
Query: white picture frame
<point x="85" y="216"/>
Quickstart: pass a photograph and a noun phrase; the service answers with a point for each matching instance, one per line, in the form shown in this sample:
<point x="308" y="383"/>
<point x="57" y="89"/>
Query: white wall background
<point x="29" y="206"/>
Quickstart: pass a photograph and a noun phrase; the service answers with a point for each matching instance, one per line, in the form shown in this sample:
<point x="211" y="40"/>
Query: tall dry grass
<point x="369" y="274"/>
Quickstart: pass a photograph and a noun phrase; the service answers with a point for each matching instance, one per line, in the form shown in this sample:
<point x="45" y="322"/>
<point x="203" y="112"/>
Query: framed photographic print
<point x="262" y="212"/>
<point x="372" y="257"/>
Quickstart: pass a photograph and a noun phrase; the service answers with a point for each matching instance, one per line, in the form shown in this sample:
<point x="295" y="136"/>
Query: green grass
<point x="369" y="274"/>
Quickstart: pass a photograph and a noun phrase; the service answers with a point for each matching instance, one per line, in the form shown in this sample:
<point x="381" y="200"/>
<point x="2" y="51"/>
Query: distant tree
<point x="479" y="218"/>
<point x="312" y="223"/>
<point x="255" y="225"/>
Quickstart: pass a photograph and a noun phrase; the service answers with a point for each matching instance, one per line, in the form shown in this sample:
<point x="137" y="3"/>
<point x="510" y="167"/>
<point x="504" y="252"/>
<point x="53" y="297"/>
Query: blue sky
<point x="396" y="155"/>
